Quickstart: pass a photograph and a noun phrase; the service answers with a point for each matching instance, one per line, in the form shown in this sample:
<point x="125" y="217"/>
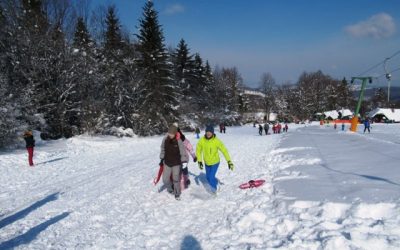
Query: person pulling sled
<point x="172" y="156"/>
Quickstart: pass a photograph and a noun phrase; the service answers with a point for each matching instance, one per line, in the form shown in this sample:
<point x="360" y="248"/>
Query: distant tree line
<point x="316" y="92"/>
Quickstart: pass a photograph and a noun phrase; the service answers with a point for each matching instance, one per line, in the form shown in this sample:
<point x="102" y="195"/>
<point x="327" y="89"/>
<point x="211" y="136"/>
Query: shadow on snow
<point x="53" y="160"/>
<point x="370" y="177"/>
<point x="21" y="214"/>
<point x="32" y="233"/>
<point x="190" y="243"/>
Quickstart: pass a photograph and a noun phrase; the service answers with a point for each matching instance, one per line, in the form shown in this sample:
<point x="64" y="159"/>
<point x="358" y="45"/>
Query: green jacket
<point x="208" y="149"/>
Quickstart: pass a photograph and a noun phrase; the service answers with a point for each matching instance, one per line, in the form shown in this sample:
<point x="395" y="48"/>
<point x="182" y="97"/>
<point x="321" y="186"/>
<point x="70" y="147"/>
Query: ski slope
<point x="325" y="189"/>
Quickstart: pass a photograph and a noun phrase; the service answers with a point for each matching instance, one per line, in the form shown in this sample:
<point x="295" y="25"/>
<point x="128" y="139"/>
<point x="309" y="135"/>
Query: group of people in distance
<point x="276" y="128"/>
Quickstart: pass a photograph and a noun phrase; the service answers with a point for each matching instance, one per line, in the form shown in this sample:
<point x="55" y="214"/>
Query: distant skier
<point x="266" y="128"/>
<point x="172" y="155"/>
<point x="343" y="126"/>
<point x="260" y="129"/>
<point x="367" y="125"/>
<point x="30" y="144"/>
<point x="207" y="150"/>
<point x="334" y="126"/>
<point x="286" y="128"/>
<point x="189" y="151"/>
<point x="197" y="131"/>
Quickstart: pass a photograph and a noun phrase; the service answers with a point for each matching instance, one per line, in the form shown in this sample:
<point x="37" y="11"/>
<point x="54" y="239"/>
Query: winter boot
<point x="186" y="180"/>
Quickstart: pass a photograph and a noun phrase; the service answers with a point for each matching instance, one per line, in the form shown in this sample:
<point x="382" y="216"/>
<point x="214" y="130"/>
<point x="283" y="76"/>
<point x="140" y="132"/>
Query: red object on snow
<point x="252" y="184"/>
<point x="159" y="174"/>
<point x="160" y="170"/>
<point x="30" y="156"/>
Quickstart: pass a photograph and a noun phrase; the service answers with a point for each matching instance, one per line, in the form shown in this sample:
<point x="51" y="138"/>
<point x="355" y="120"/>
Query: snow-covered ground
<point x="325" y="189"/>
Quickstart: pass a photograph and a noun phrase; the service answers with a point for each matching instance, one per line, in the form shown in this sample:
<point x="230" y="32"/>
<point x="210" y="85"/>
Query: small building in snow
<point x="385" y="115"/>
<point x="344" y="114"/>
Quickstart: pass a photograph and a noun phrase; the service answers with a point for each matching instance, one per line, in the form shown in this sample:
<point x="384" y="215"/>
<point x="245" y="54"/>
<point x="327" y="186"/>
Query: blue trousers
<point x="211" y="171"/>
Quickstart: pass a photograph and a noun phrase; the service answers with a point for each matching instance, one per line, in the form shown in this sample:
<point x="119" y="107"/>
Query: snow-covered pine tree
<point x="85" y="72"/>
<point x="200" y="87"/>
<point x="63" y="118"/>
<point x="9" y="110"/>
<point x="159" y="103"/>
<point x="183" y="69"/>
<point x="82" y="39"/>
<point x="209" y="86"/>
<point x="117" y="68"/>
<point x="33" y="61"/>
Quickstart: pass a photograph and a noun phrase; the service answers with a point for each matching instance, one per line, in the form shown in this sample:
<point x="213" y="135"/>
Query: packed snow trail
<point x="341" y="166"/>
<point x="97" y="193"/>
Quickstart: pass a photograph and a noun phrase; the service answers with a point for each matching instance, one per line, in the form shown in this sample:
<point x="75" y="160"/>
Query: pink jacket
<point x="188" y="146"/>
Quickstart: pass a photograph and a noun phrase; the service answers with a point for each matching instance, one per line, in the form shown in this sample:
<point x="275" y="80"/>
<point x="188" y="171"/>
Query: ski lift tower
<point x="388" y="78"/>
<point x="354" y="120"/>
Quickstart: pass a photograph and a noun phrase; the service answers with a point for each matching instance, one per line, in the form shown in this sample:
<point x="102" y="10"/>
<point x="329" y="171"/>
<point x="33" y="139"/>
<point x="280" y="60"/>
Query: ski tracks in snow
<point x="97" y="193"/>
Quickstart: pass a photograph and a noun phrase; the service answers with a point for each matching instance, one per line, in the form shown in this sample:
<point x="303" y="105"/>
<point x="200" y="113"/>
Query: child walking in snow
<point x="207" y="150"/>
<point x="172" y="156"/>
<point x="190" y="151"/>
<point x="30" y="144"/>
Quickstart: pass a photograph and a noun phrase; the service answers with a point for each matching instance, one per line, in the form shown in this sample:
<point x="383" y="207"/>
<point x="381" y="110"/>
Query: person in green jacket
<point x="207" y="149"/>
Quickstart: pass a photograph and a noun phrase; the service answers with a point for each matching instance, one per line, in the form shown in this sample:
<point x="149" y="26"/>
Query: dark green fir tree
<point x="160" y="98"/>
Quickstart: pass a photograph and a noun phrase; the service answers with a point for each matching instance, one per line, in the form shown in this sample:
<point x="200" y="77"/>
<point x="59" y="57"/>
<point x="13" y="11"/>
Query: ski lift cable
<point x="388" y="73"/>
<point x="387" y="58"/>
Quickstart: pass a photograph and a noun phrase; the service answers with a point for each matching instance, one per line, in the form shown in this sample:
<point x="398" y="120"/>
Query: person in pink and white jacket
<point x="189" y="151"/>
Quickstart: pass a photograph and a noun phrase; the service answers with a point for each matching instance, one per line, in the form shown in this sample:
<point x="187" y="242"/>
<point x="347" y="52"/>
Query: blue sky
<point x="343" y="38"/>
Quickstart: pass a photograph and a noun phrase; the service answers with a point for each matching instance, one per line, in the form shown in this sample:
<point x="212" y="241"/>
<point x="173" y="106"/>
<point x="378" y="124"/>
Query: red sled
<point x="159" y="174"/>
<point x="252" y="184"/>
<point x="158" y="177"/>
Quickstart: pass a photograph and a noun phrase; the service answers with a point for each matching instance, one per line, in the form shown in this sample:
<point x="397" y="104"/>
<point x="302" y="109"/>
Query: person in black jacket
<point x="30" y="144"/>
<point x="173" y="155"/>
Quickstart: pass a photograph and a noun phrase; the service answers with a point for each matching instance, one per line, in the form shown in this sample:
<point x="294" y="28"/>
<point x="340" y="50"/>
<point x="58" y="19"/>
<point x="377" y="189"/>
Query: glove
<point x="161" y="162"/>
<point x="230" y="165"/>
<point x="200" y="165"/>
<point x="195" y="159"/>
<point x="184" y="165"/>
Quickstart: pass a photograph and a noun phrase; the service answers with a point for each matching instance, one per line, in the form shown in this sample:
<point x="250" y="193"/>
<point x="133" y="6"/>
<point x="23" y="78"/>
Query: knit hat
<point x="172" y="130"/>
<point x="28" y="132"/>
<point x="210" y="128"/>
